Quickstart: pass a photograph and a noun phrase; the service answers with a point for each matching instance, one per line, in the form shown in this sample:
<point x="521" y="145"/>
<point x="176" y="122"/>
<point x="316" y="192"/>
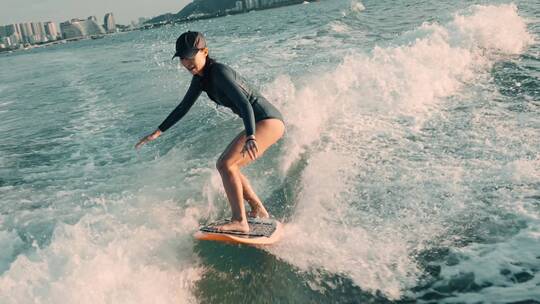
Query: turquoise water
<point x="410" y="170"/>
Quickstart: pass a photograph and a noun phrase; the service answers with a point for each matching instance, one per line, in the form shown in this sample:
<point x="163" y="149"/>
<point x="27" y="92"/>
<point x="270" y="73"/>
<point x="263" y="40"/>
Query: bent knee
<point x="224" y="165"/>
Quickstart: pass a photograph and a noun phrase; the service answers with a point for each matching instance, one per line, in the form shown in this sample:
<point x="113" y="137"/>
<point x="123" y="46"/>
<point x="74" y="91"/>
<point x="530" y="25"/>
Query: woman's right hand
<point x="148" y="138"/>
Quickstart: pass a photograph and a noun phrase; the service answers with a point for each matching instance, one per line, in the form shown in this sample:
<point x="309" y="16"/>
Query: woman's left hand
<point x="251" y="148"/>
<point x="148" y="138"/>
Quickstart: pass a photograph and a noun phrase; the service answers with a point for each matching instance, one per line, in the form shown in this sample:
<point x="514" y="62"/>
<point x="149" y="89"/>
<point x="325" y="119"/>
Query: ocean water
<point x="409" y="172"/>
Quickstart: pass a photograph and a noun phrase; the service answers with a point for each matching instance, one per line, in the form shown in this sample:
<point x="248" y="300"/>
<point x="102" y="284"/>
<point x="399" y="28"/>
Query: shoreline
<point x="50" y="43"/>
<point x="151" y="26"/>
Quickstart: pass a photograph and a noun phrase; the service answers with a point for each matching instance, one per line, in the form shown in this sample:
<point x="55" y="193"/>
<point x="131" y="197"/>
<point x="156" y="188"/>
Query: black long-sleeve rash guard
<point x="225" y="87"/>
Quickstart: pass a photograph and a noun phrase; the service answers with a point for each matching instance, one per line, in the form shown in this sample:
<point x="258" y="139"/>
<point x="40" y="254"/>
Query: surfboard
<point x="261" y="232"/>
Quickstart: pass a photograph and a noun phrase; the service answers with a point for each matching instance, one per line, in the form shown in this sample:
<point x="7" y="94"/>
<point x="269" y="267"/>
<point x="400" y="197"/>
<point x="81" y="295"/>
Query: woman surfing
<point x="263" y="124"/>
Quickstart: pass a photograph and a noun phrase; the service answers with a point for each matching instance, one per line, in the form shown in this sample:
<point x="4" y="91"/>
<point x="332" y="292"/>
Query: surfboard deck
<point x="261" y="232"/>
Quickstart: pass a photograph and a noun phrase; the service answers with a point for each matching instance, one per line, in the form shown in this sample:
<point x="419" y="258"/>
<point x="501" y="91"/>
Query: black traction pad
<point x="258" y="227"/>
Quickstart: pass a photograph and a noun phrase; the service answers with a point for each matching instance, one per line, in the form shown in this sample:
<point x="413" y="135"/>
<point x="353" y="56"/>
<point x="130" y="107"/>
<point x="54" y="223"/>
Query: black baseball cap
<point x="188" y="44"/>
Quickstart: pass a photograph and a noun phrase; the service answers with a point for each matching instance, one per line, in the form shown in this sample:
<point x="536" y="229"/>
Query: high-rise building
<point x="10" y="31"/>
<point x="109" y="23"/>
<point x="79" y="28"/>
<point x="20" y="27"/>
<point x="27" y="32"/>
<point x="239" y="5"/>
<point x="51" y="31"/>
<point x="33" y="26"/>
<point x="23" y="32"/>
<point x="70" y="30"/>
<point x="253" y="4"/>
<point x="37" y="36"/>
<point x="42" y="30"/>
<point x="18" y="30"/>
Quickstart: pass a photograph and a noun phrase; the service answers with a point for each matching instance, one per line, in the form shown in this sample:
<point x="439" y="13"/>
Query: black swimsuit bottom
<point x="263" y="109"/>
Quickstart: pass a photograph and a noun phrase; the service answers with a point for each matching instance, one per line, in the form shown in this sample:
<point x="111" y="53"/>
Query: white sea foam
<point x="357" y="6"/>
<point x="407" y="79"/>
<point x="339" y="27"/>
<point x="522" y="170"/>
<point x="135" y="246"/>
<point x="133" y="253"/>
<point x="494" y="28"/>
<point x="336" y="116"/>
<point x="10" y="243"/>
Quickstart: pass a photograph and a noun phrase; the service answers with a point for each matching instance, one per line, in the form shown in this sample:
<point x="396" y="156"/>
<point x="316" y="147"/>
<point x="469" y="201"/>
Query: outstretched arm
<point x="192" y="94"/>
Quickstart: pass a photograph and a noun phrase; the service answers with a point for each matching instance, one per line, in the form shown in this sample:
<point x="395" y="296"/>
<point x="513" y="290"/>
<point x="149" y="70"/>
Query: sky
<point x="124" y="11"/>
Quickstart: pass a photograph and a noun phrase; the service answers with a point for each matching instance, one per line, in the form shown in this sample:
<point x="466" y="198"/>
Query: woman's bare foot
<point x="259" y="212"/>
<point x="234" y="226"/>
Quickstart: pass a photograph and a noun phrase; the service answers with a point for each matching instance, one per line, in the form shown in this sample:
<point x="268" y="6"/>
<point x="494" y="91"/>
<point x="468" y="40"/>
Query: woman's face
<point x="196" y="64"/>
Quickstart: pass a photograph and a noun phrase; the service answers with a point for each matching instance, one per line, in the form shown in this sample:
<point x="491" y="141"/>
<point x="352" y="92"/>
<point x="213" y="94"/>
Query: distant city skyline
<point x="17" y="11"/>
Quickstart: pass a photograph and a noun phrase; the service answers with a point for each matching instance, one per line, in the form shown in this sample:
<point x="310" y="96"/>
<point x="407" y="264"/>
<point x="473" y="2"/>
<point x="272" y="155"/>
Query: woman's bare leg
<point x="267" y="132"/>
<point x="257" y="207"/>
<point x="233" y="188"/>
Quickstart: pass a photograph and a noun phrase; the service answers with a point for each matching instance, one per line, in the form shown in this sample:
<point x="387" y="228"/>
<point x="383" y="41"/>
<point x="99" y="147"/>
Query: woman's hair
<point x="210" y="58"/>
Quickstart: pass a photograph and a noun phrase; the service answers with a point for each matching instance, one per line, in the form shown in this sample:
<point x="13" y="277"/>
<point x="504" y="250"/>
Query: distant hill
<point x="197" y="8"/>
<point x="208" y="9"/>
<point x="161" y="18"/>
